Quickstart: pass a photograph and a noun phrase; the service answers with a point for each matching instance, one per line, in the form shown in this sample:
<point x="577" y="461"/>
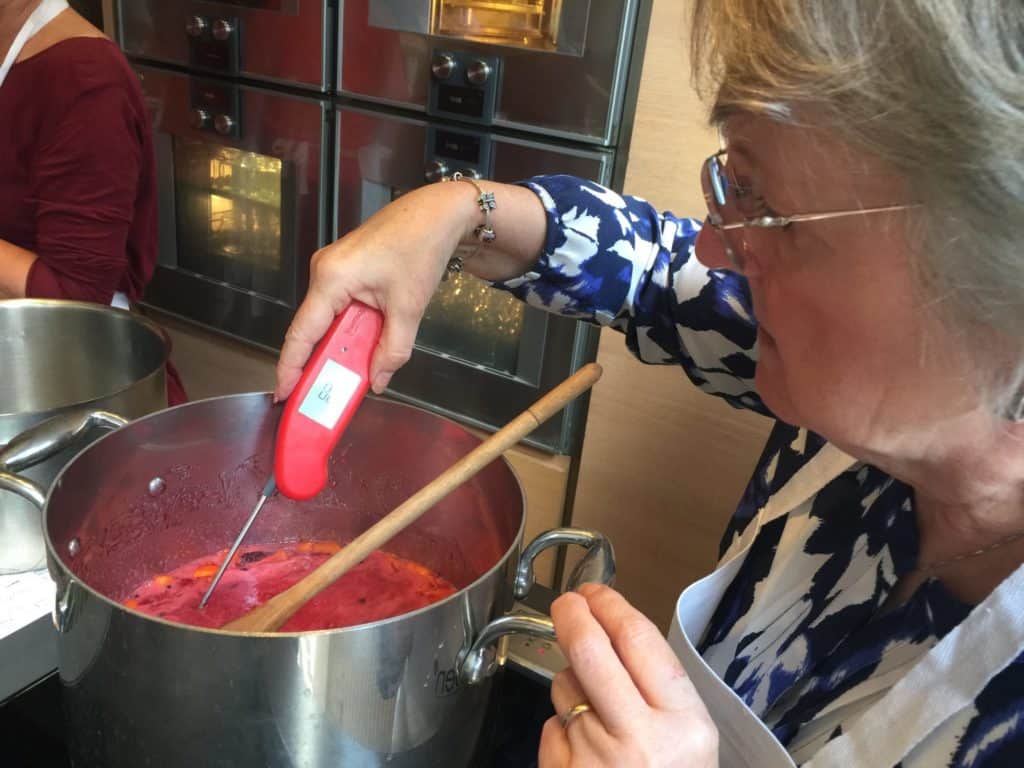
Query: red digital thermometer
<point x="332" y="386"/>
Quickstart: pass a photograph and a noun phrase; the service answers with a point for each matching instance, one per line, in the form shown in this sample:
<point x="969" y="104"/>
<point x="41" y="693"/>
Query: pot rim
<point x="87" y="306"/>
<point x="54" y="556"/>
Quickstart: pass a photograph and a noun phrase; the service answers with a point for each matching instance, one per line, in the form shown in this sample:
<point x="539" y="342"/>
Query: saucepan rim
<point x="86" y="306"/>
<point x="53" y="556"/>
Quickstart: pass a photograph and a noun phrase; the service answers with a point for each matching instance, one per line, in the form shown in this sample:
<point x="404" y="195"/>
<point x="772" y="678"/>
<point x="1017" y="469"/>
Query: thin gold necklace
<point x="935" y="565"/>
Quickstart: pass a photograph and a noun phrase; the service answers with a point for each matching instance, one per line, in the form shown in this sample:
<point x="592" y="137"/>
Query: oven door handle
<point x="480" y="660"/>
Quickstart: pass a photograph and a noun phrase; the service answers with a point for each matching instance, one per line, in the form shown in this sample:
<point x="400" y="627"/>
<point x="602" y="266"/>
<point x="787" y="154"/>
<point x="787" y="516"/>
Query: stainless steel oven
<point x="284" y="41"/>
<point x="504" y="89"/>
<point x="242" y="200"/>
<point x="559" y="67"/>
<point x="481" y="356"/>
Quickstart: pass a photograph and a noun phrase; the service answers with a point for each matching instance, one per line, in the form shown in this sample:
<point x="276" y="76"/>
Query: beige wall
<point x="663" y="464"/>
<point x="672" y="136"/>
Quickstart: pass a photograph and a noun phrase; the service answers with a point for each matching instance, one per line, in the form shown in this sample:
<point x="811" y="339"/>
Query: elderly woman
<point x="859" y="278"/>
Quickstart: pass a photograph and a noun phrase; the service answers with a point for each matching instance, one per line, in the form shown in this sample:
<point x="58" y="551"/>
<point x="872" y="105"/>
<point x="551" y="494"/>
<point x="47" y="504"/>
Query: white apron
<point x="942" y="683"/>
<point x="45" y="12"/>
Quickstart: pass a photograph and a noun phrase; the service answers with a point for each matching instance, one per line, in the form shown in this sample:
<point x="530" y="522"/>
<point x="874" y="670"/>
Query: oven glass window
<point x="467" y="319"/>
<point x="471" y="321"/>
<point x="545" y="25"/>
<point x="231" y="223"/>
<point x="527" y="23"/>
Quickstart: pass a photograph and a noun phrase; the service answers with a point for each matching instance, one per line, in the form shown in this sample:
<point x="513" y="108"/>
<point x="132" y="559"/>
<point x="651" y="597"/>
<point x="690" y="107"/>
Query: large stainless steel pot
<point x="58" y="356"/>
<point x="173" y="486"/>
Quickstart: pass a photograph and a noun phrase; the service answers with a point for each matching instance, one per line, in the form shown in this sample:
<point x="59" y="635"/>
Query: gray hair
<point x="935" y="90"/>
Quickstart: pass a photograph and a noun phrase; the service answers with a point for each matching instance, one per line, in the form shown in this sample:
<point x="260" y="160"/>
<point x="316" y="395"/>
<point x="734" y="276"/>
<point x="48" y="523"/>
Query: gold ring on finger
<point x="573" y="713"/>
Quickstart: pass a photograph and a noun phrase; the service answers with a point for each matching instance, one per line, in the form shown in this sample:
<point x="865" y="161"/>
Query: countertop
<point x="28" y="640"/>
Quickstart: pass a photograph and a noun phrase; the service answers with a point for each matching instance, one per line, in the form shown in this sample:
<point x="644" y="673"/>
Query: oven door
<point x="481" y="356"/>
<point x="285" y="41"/>
<point x="553" y="66"/>
<point x="241" y="201"/>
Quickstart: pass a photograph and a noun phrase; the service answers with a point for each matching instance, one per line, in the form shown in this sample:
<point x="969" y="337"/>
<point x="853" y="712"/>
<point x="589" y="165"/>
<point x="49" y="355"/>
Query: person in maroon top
<point x="78" y="205"/>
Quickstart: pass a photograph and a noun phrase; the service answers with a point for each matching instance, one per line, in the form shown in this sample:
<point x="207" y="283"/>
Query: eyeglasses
<point x="727" y="199"/>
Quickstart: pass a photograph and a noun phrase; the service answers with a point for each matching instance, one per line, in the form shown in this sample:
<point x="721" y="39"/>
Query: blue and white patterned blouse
<point x="821" y="650"/>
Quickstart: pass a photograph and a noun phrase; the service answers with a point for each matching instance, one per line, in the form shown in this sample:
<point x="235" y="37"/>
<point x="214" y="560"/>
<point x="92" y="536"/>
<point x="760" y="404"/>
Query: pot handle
<point x="27" y="489"/>
<point x="48" y="438"/>
<point x="598" y="565"/>
<point x="64" y="605"/>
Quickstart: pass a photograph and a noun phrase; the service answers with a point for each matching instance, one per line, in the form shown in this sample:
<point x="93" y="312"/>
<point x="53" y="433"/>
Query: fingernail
<point x="381" y="382"/>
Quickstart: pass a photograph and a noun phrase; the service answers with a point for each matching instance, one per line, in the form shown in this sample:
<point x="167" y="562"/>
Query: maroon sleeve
<point x="176" y="394"/>
<point x="84" y="184"/>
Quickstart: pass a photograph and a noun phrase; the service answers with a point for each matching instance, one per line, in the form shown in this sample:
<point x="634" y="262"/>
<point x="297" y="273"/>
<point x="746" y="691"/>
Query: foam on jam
<point x="382" y="586"/>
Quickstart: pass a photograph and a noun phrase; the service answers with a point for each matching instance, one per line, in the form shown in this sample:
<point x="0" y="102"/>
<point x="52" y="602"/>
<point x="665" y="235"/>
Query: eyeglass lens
<point x="719" y="181"/>
<point x="718" y="190"/>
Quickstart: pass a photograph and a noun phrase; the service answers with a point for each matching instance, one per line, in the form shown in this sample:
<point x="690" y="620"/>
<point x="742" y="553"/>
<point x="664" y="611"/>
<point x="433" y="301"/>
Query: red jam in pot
<point x="382" y="586"/>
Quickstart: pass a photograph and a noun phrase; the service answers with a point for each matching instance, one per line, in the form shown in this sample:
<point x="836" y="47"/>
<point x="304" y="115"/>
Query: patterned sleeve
<point x="618" y="262"/>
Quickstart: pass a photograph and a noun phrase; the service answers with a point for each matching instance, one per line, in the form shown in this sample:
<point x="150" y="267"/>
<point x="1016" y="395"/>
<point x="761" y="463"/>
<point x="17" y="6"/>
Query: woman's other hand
<point x="644" y="709"/>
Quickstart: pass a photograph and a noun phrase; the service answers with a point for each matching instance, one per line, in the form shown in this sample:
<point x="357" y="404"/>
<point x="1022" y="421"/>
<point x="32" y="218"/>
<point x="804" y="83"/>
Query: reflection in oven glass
<point x="471" y="321"/>
<point x="528" y="23"/>
<point x="229" y="215"/>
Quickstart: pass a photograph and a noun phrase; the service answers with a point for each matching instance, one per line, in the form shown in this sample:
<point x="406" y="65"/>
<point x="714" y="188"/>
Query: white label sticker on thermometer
<point x="330" y="393"/>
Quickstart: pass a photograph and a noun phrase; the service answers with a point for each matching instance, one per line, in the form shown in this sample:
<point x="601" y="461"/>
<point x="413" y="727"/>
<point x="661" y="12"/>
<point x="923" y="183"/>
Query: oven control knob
<point x="442" y="66"/>
<point x="223" y="124"/>
<point x="478" y="72"/>
<point x="222" y="29"/>
<point x="435" y="172"/>
<point x="195" y="26"/>
<point x="199" y="119"/>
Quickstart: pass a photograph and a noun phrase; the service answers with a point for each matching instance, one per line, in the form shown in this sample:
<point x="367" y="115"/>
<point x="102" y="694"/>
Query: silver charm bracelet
<point x="484" y="233"/>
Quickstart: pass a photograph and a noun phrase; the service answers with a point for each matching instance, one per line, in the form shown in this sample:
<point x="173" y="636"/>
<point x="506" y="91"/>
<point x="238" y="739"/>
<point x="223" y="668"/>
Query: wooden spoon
<point x="276" y="611"/>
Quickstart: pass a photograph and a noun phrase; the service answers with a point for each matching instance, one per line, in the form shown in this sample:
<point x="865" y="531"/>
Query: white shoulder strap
<point x="44" y="13"/>
<point x="943" y="683"/>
